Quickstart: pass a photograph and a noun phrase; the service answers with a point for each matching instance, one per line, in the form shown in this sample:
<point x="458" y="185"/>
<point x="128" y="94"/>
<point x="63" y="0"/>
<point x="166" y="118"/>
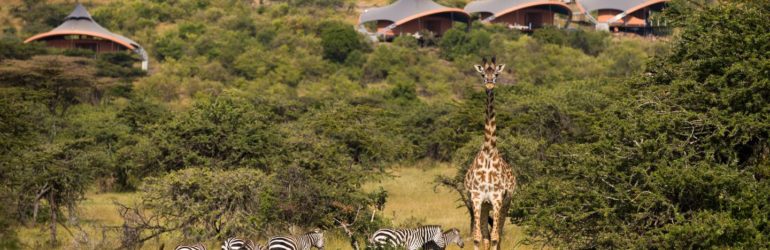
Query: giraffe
<point x="489" y="181"/>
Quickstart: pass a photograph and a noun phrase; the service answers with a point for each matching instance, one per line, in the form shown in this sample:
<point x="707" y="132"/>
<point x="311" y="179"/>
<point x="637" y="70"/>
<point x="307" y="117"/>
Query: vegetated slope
<point x="288" y="94"/>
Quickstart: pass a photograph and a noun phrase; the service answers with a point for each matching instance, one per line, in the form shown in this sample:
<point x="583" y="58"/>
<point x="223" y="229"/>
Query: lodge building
<point x="80" y="31"/>
<point x="411" y="16"/>
<point x="626" y="15"/>
<point x="521" y="14"/>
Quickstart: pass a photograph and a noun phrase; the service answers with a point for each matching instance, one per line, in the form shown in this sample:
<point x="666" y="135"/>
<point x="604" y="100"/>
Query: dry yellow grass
<point x="411" y="197"/>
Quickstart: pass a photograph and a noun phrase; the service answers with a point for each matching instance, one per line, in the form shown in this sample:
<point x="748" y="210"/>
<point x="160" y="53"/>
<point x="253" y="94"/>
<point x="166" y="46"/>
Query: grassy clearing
<point x="411" y="201"/>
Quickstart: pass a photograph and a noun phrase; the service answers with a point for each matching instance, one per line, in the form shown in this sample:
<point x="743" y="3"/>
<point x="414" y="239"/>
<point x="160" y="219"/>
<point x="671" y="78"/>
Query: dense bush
<point x="681" y="162"/>
<point x="15" y="49"/>
<point x="339" y="40"/>
<point x="205" y="203"/>
<point x="590" y="42"/>
<point x="457" y="42"/>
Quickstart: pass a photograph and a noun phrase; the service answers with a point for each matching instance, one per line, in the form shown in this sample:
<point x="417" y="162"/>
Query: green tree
<point x="63" y="166"/>
<point x="456" y="42"/>
<point x="203" y="203"/>
<point x="338" y="41"/>
<point x="224" y="132"/>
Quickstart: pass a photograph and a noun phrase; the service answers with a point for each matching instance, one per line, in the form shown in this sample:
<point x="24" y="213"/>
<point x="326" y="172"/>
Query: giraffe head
<point x="489" y="71"/>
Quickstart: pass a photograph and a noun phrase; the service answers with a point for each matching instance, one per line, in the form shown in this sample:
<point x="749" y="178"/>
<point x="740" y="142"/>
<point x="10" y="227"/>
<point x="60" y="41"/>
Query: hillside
<point x="257" y="120"/>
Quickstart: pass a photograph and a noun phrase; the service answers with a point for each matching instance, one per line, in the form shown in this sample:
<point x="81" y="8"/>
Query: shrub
<point x="551" y="35"/>
<point x="208" y="203"/>
<point x="15" y="49"/>
<point x="338" y="41"/>
<point x="457" y="42"/>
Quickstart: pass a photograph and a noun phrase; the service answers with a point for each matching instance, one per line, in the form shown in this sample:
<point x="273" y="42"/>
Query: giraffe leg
<point x="487" y="227"/>
<point x="486" y="208"/>
<point x="504" y="212"/>
<point x="477" y="207"/>
<point x="497" y="224"/>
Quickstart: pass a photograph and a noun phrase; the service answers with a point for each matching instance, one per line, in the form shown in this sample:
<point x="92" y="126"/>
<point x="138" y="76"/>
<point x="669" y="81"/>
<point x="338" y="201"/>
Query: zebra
<point x="240" y="244"/>
<point x="450" y="236"/>
<point x="410" y="238"/>
<point x="314" y="238"/>
<point x="197" y="246"/>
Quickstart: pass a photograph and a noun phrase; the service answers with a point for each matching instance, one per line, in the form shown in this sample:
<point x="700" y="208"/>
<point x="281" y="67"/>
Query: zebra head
<point x="453" y="236"/>
<point x="317" y="238"/>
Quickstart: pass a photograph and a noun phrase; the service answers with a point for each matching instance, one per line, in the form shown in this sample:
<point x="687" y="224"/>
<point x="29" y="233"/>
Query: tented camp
<point x="625" y="15"/>
<point x="412" y="16"/>
<point x="520" y="14"/>
<point x="80" y="31"/>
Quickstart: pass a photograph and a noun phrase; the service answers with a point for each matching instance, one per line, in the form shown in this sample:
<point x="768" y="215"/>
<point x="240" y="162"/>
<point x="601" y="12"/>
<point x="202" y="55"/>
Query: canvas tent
<point x="520" y="14"/>
<point x="411" y="16"/>
<point x="79" y="30"/>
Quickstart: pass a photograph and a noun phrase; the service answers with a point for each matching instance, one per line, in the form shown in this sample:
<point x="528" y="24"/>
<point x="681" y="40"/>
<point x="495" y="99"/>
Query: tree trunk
<point x="38" y="197"/>
<point x="52" y="204"/>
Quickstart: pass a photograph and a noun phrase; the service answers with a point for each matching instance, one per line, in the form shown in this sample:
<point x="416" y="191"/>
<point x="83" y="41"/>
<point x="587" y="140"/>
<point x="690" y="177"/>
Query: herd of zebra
<point x="425" y="237"/>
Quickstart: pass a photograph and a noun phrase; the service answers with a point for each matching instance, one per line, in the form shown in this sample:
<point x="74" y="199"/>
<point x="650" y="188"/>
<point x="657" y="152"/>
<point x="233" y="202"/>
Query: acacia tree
<point x="57" y="168"/>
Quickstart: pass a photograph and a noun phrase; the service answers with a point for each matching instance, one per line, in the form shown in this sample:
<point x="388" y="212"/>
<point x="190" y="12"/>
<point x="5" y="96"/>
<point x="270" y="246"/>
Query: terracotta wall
<point x="537" y="17"/>
<point x="604" y="15"/>
<point x="100" y="46"/>
<point x="381" y="25"/>
<point x="635" y="19"/>
<point x="437" y="24"/>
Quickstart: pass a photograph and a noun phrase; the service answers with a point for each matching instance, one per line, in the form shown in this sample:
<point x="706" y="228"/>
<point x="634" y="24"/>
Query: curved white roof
<point x="405" y="10"/>
<point x="502" y="7"/>
<point x="622" y="5"/>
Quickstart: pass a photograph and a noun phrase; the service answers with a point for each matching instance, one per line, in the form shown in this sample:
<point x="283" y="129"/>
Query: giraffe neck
<point x="490" y="140"/>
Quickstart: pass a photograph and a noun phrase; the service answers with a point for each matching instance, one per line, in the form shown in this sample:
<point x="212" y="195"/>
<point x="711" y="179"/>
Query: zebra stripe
<point x="450" y="236"/>
<point x="197" y="246"/>
<point x="302" y="242"/>
<point x="410" y="238"/>
<point x="240" y="244"/>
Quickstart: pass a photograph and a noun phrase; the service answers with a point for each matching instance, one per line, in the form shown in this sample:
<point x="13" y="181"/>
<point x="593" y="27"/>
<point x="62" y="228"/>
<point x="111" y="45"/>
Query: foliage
<point x="118" y="64"/>
<point x="590" y="42"/>
<point x="40" y="16"/>
<point x="205" y="203"/>
<point x="681" y="162"/>
<point x="339" y="40"/>
<point x="61" y="81"/>
<point x="457" y="42"/>
<point x="55" y="160"/>
<point x="219" y="133"/>
<point x="272" y="92"/>
<point x="15" y="49"/>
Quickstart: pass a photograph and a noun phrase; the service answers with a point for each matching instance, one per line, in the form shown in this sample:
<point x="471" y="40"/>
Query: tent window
<point x="88" y="46"/>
